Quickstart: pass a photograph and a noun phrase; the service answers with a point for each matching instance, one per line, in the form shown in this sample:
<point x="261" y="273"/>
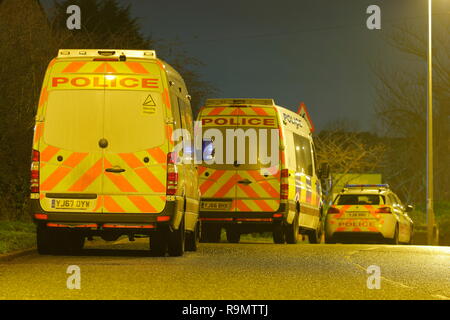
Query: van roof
<point x="239" y="101"/>
<point x="106" y="53"/>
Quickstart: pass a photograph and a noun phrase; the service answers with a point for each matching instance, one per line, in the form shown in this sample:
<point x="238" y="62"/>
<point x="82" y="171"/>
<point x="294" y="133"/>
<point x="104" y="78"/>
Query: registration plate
<point x="73" y="204"/>
<point x="356" y="214"/>
<point x="216" y="205"/>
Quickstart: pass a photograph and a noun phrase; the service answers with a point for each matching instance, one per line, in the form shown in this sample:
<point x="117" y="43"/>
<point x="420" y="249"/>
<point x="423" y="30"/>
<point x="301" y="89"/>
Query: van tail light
<point x="172" y="174"/>
<point x="284" y="189"/>
<point x="333" y="210"/>
<point x="34" y="182"/>
<point x="383" y="210"/>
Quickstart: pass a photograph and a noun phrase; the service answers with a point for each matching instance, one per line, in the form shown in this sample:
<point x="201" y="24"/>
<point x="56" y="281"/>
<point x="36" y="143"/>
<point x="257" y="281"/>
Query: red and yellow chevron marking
<point x="133" y="204"/>
<point x="238" y="111"/>
<point x="263" y="194"/>
<point x="212" y="184"/>
<point x="307" y="190"/>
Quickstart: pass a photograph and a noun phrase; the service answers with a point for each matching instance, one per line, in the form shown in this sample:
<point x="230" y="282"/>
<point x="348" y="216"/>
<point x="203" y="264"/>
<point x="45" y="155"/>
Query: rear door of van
<point x="103" y="146"/>
<point x="217" y="181"/>
<point x="258" y="184"/>
<point x="235" y="186"/>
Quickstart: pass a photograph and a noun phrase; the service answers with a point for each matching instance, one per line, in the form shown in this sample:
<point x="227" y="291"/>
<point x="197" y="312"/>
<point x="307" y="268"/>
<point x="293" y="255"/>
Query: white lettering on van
<point x="241" y="146"/>
<point x="74" y="20"/>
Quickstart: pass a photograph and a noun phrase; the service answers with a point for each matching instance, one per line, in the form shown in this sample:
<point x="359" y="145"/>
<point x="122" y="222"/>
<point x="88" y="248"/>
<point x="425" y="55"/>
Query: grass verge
<point x="16" y="235"/>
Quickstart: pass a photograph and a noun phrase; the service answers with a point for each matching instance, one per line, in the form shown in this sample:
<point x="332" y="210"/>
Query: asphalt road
<point x="248" y="270"/>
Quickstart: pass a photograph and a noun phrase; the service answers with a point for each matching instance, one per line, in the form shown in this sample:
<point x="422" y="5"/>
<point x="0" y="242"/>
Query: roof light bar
<point x="99" y="53"/>
<point x="367" y="186"/>
<point x="232" y="102"/>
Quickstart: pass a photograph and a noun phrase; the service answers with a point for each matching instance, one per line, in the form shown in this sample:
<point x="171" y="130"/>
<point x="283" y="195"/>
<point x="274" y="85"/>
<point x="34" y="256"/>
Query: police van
<point x="259" y="172"/>
<point x="102" y="158"/>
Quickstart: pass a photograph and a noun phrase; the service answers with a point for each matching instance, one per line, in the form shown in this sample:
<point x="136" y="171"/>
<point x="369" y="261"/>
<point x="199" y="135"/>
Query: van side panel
<point x="304" y="187"/>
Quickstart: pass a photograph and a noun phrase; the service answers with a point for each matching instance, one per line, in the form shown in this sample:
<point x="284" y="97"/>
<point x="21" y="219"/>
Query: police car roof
<point x="365" y="188"/>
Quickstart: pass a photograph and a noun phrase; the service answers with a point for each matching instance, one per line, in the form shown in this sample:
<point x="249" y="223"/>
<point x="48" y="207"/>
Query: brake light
<point x="383" y="210"/>
<point x="333" y="210"/>
<point x="106" y="59"/>
<point x="40" y="216"/>
<point x="284" y="189"/>
<point x="34" y="179"/>
<point x="172" y="175"/>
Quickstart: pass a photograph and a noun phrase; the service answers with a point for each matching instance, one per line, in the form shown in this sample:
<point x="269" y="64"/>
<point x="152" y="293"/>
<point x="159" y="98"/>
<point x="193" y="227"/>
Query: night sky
<point x="316" y="51"/>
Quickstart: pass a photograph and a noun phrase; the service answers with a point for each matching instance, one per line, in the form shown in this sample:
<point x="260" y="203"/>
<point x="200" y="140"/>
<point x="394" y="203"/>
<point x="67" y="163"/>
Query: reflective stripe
<point x="136" y="67"/>
<point x="142" y="204"/>
<point x="112" y="205"/>
<point x="74" y="66"/>
<point x="87" y="178"/>
<point x="48" y="153"/>
<point x="120" y="181"/>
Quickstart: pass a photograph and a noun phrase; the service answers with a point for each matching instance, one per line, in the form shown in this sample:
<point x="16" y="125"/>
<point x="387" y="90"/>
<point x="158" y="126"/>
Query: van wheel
<point x="278" y="233"/>
<point x="291" y="231"/>
<point x="315" y="236"/>
<point x="191" y="243"/>
<point x="233" y="235"/>
<point x="44" y="240"/>
<point x="210" y="233"/>
<point x="158" y="242"/>
<point x="176" y="240"/>
<point x="73" y="241"/>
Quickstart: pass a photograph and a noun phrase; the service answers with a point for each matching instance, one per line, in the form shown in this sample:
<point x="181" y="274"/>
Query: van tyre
<point x="291" y="231"/>
<point x="73" y="242"/>
<point x="233" y="235"/>
<point x="210" y="233"/>
<point x="44" y="240"/>
<point x="315" y="236"/>
<point x="158" y="242"/>
<point x="192" y="239"/>
<point x="176" y="240"/>
<point x="278" y="233"/>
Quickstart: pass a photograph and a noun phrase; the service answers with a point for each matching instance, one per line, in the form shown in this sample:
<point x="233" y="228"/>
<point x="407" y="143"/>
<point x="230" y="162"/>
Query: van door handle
<point x="115" y="170"/>
<point x="246" y="181"/>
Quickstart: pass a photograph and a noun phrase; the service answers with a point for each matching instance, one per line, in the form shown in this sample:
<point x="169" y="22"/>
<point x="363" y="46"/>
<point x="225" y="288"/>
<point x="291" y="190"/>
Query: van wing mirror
<point x="409" y="208"/>
<point x="324" y="171"/>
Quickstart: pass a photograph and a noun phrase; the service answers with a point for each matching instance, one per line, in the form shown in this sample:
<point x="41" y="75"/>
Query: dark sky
<point x="316" y="51"/>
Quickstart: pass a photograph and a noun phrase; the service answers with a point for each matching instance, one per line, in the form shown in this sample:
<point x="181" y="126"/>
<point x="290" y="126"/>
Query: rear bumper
<point x="259" y="220"/>
<point x="356" y="237"/>
<point x="101" y="218"/>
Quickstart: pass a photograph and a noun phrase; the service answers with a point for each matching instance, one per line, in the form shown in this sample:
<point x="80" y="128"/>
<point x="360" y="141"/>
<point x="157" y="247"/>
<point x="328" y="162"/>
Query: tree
<point x="401" y="106"/>
<point x="28" y="41"/>
<point x="348" y="152"/>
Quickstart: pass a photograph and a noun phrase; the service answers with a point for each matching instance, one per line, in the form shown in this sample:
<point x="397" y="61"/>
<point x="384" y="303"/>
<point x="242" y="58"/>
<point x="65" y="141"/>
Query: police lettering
<point x="241" y="121"/>
<point x="100" y="82"/>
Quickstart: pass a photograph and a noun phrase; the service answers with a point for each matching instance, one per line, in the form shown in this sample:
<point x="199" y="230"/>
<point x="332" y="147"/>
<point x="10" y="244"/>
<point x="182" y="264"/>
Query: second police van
<point x="243" y="192"/>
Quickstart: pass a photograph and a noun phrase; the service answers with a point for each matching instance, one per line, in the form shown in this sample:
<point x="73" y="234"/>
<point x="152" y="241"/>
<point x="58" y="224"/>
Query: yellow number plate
<point x="71" y="204"/>
<point x="215" y="205"/>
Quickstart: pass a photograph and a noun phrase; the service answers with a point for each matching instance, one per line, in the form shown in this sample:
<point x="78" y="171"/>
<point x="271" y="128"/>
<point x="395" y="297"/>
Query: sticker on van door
<point x="149" y="105"/>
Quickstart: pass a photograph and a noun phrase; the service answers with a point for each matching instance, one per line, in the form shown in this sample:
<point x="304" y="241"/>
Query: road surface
<point x="248" y="270"/>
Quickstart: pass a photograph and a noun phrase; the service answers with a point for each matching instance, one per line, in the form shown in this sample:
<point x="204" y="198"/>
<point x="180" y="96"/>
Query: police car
<point x="368" y="212"/>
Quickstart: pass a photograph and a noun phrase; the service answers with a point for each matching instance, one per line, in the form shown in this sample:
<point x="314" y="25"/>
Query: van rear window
<point x="130" y="120"/>
<point x="362" y="199"/>
<point x="74" y="119"/>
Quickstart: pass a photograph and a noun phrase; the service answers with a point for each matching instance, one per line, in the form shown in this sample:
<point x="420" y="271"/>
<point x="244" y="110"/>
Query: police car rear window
<point x="362" y="199"/>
